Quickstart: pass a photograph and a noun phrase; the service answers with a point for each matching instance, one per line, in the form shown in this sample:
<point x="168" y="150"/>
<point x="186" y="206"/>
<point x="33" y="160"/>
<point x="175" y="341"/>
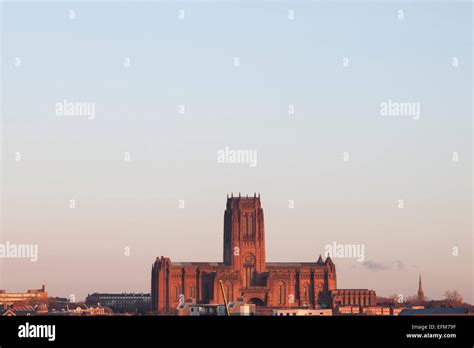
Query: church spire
<point x="421" y="295"/>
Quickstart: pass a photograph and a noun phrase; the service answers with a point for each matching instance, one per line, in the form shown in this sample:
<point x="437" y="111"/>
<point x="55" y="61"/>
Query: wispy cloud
<point x="376" y="266"/>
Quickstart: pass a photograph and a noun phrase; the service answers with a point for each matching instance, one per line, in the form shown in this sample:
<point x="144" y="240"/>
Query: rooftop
<point x="434" y="311"/>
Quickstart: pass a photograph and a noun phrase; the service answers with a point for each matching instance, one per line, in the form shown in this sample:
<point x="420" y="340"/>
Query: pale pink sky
<point x="191" y="62"/>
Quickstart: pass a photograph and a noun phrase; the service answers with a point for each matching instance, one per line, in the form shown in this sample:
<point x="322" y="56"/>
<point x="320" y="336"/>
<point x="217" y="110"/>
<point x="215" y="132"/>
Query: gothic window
<point x="320" y="287"/>
<point x="247" y="229"/>
<point x="191" y="291"/>
<point x="281" y="293"/>
<point x="248" y="274"/>
<point x="249" y="268"/>
<point x="229" y="292"/>
<point x="305" y="292"/>
<point x="176" y="292"/>
<point x="248" y="225"/>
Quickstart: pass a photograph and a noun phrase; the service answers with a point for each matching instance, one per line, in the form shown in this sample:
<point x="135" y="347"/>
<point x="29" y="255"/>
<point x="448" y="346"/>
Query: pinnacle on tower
<point x="320" y="259"/>
<point x="328" y="259"/>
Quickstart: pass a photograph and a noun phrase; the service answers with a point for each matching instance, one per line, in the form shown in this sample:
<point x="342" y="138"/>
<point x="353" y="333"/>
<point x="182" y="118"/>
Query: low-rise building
<point x="302" y="312"/>
<point x="376" y="310"/>
<point x="31" y="296"/>
<point x="348" y="310"/>
<point x="370" y="310"/>
<point x="397" y="310"/>
<point x="82" y="309"/>
<point x="434" y="311"/>
<point x="14" y="310"/>
<point x="241" y="308"/>
<point x="121" y="303"/>
<point x="191" y="308"/>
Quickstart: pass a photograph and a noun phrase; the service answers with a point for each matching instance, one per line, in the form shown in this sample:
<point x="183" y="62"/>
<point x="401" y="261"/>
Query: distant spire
<point x="421" y="295"/>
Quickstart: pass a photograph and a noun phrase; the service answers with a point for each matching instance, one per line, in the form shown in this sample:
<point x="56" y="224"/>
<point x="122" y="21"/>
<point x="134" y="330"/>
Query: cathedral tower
<point x="244" y="237"/>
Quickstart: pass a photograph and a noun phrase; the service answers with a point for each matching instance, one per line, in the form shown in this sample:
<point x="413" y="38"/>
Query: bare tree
<point x="412" y="299"/>
<point x="454" y="298"/>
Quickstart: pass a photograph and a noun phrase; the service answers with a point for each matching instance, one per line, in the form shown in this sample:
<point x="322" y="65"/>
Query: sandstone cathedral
<point x="246" y="274"/>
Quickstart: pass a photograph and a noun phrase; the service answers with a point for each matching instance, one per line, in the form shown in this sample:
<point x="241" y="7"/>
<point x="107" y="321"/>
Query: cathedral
<point x="247" y="275"/>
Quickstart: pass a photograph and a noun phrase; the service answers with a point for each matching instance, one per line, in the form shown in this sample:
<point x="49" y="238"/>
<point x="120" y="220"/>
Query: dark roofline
<point x="293" y="264"/>
<point x="129" y="294"/>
